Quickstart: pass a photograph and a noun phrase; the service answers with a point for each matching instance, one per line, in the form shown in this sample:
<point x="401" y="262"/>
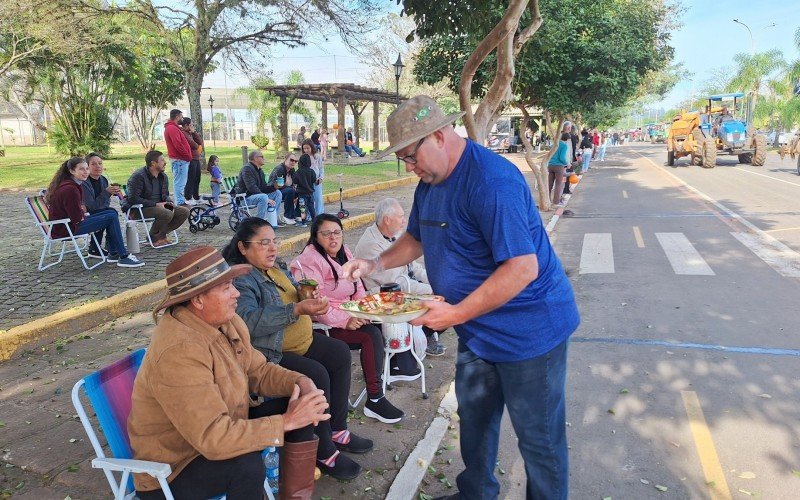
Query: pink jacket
<point x="317" y="268"/>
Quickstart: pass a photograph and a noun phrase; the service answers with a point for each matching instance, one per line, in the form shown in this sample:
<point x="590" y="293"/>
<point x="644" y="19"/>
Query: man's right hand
<point x="305" y="410"/>
<point x="356" y="269"/>
<point x="311" y="307"/>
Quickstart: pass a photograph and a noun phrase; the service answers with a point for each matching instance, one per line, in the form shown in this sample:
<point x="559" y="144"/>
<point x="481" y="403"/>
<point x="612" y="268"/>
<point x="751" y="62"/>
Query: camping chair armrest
<point x="51" y="223"/>
<point x="155" y="469"/>
<point x="138" y="207"/>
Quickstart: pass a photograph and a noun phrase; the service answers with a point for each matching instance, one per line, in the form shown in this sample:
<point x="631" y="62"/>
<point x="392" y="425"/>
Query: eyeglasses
<point x="328" y="234"/>
<point x="267" y="242"/>
<point x="412" y="158"/>
<point x="292" y="160"/>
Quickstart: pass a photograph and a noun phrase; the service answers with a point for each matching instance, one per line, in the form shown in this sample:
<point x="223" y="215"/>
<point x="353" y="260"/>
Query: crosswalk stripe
<point x="776" y="254"/>
<point x="597" y="254"/>
<point x="683" y="257"/>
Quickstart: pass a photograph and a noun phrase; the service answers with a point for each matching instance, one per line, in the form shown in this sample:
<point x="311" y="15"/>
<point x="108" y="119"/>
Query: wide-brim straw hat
<point x="195" y="272"/>
<point x="413" y="120"/>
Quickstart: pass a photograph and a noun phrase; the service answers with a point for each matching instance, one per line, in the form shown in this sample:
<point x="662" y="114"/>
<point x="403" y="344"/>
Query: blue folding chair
<point x="109" y="391"/>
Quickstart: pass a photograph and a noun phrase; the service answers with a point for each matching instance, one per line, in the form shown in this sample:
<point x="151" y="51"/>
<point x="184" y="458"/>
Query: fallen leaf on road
<point x="606" y="498"/>
<point x="765" y="396"/>
<point x="796" y="473"/>
<point x="644" y="481"/>
<point x="624" y="391"/>
<point x="422" y="463"/>
<point x="747" y="475"/>
<point x="741" y="490"/>
<point x="661" y="488"/>
<point x="611" y="411"/>
<point x="711" y="484"/>
<point x="73" y="440"/>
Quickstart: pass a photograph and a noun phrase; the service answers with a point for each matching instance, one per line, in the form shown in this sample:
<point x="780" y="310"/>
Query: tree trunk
<point x="194" y="84"/>
<point x="542" y="194"/>
<point x="508" y="42"/>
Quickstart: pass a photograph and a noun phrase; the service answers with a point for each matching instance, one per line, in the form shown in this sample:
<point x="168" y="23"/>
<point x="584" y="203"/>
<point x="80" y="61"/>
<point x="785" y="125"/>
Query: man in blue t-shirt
<point x="506" y="294"/>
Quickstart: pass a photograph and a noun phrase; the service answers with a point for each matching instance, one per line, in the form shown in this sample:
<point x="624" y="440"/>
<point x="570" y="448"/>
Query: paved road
<point x="663" y="277"/>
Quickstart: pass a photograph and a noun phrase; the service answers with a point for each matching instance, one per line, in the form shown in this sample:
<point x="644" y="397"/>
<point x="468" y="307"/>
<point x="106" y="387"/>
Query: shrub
<point x="260" y="141"/>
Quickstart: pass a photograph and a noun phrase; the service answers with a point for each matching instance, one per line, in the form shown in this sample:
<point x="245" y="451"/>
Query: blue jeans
<point x="602" y="155"/>
<point x="533" y="390"/>
<point x="180" y="174"/>
<point x="353" y="150"/>
<point x="263" y="208"/>
<point x="587" y="158"/>
<point x="99" y="234"/>
<point x="308" y="200"/>
<point x="289" y="196"/>
<point x="109" y="222"/>
<point x="319" y="203"/>
<point x="215" y="191"/>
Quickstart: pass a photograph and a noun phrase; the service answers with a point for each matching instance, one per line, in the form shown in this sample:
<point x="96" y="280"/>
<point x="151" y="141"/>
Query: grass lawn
<point x="31" y="167"/>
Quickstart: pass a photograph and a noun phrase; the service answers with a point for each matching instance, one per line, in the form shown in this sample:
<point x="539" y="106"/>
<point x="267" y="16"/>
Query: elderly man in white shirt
<point x="390" y="222"/>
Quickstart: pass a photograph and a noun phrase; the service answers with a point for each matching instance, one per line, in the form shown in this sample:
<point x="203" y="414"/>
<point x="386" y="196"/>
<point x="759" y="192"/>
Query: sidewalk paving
<point x="37" y="420"/>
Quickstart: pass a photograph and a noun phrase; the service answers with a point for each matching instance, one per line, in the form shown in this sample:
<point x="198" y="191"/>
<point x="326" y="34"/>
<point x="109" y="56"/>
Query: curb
<point x="370" y="188"/>
<point x="554" y="220"/>
<point x="84" y="317"/>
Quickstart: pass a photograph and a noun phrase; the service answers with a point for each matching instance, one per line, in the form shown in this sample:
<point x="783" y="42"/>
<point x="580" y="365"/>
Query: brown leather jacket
<point x="192" y="395"/>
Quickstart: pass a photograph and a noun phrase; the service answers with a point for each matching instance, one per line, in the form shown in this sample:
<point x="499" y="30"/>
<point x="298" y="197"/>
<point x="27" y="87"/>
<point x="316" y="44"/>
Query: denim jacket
<point x="264" y="313"/>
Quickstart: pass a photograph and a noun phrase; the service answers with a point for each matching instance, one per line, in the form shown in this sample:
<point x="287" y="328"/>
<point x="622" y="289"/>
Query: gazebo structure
<point x="340" y="95"/>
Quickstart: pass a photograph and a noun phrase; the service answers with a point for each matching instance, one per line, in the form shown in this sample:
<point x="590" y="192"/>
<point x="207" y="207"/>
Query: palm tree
<point x="753" y="70"/>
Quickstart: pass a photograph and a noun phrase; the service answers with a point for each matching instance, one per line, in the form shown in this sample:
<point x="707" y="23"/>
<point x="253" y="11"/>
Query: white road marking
<point x="597" y="255"/>
<point x="767" y="176"/>
<point x="683" y="257"/>
<point x="778" y="256"/>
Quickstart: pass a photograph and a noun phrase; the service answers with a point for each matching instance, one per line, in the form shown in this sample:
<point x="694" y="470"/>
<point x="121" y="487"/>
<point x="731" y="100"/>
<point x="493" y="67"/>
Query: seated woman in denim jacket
<point x="280" y="327"/>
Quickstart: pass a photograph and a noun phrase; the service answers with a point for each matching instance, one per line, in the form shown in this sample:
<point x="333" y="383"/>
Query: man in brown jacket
<point x="191" y="403"/>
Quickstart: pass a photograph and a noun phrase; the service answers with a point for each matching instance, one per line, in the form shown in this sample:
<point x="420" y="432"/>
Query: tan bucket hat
<point x="413" y="120"/>
<point x="195" y="272"/>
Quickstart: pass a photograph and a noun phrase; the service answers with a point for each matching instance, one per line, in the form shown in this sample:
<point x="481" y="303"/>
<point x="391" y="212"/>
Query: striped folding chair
<point x="70" y="243"/>
<point x="144" y="222"/>
<point x="109" y="391"/>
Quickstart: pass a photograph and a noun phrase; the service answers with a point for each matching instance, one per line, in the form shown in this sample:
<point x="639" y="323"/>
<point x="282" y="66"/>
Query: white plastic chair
<point x="70" y="243"/>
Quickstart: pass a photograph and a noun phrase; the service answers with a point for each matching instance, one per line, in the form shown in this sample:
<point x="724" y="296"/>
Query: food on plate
<point x="389" y="303"/>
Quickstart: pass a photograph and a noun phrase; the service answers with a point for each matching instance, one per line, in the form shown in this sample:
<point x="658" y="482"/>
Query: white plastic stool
<point x="399" y="338"/>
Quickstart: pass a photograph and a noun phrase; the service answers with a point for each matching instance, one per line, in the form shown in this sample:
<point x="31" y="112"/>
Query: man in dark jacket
<point x="97" y="195"/>
<point x="149" y="187"/>
<point x="179" y="152"/>
<point x="282" y="177"/>
<point x="265" y="197"/>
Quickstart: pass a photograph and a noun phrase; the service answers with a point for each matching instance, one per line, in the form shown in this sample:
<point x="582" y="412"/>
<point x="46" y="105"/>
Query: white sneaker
<point x="191" y="203"/>
<point x="285" y="221"/>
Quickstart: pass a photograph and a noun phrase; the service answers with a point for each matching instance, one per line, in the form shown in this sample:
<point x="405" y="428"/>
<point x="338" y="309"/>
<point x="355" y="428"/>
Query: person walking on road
<point x="506" y="294"/>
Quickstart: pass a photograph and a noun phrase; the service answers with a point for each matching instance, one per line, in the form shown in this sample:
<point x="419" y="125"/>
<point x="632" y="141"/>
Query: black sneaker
<point x="355" y="445"/>
<point x="94" y="254"/>
<point x="397" y="374"/>
<point x="383" y="410"/>
<point x="344" y="469"/>
<point x="112" y="257"/>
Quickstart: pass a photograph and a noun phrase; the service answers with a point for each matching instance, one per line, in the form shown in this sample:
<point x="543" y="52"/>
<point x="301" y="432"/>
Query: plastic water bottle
<point x="272" y="464"/>
<point x="301" y="203"/>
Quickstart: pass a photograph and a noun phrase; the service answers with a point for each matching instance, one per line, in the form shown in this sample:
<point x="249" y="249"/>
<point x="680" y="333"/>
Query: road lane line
<point x="770" y="351"/>
<point x="767" y="176"/>
<point x="624" y="194"/>
<point x="597" y="254"/>
<point x="683" y="257"/>
<point x="784" y="229"/>
<point x="638" y="236"/>
<point x="715" y="478"/>
<point x="778" y="256"/>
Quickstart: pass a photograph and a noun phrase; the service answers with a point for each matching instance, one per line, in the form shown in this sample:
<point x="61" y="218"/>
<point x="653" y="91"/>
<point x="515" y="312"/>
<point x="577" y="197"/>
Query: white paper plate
<point x="351" y="308"/>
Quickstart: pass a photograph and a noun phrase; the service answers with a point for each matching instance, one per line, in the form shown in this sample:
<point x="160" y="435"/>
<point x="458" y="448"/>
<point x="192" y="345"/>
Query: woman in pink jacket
<point x="322" y="260"/>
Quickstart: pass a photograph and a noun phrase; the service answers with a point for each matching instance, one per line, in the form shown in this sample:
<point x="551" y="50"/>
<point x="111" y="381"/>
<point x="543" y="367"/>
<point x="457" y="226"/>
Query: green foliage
<point x="82" y="128"/>
<point x="587" y="57"/>
<point x="260" y="141"/>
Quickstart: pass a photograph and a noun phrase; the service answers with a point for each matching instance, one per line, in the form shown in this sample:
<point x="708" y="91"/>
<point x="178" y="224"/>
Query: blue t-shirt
<point x="480" y="216"/>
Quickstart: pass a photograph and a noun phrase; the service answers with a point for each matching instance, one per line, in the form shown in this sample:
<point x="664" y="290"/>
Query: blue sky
<point x="709" y="38"/>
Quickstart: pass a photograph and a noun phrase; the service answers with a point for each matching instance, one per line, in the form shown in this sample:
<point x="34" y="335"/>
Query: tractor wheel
<point x="760" y="153"/>
<point x="709" y="153"/>
<point x="671" y="158"/>
<point x="746" y="158"/>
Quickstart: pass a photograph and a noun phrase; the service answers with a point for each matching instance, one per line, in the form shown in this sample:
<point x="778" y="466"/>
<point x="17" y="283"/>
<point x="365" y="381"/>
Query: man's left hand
<point x="440" y="316"/>
<point x="306" y="385"/>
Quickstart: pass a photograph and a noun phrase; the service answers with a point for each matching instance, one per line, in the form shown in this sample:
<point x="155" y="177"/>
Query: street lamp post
<point x="398" y="70"/>
<point x="211" y="103"/>
<point x="752" y="42"/>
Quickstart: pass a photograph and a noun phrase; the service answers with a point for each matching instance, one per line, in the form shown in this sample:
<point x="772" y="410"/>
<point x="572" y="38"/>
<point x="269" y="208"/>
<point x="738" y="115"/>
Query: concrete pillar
<point x="376" y="126"/>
